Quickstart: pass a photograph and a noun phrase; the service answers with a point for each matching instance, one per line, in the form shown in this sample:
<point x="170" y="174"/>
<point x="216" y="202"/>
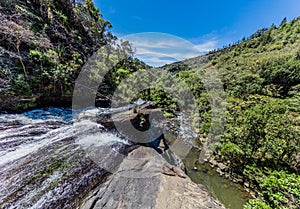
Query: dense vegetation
<point x="261" y="141"/>
<point x="43" y="46"/>
<point x="262" y="135"/>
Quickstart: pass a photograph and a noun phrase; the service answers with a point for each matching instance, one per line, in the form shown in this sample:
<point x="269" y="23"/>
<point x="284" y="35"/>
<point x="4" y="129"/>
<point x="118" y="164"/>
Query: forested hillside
<point x="262" y="137"/>
<point x="261" y="142"/>
<point x="44" y="45"/>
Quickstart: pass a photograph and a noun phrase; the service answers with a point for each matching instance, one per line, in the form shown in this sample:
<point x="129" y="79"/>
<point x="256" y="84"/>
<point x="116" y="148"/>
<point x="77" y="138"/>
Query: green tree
<point x="284" y="21"/>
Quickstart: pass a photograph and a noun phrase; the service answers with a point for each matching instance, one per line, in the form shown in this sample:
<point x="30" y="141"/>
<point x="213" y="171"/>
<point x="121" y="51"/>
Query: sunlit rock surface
<point x="146" y="180"/>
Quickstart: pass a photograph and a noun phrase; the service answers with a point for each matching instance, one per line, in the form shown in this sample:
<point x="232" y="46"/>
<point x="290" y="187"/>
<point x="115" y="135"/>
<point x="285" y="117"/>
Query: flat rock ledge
<point x="145" y="180"/>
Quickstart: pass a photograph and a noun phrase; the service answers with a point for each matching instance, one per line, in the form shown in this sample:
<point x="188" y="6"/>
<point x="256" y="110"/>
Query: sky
<point x="192" y="24"/>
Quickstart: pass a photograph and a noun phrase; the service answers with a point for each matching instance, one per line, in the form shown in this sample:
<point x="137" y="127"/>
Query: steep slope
<point x="43" y="46"/>
<point x="261" y="140"/>
<point x="270" y="59"/>
<point x="260" y="143"/>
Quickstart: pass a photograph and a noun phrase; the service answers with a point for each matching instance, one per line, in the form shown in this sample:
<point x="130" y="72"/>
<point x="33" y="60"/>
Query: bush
<point x="257" y="204"/>
<point x="20" y="85"/>
<point x="282" y="188"/>
<point x="279" y="189"/>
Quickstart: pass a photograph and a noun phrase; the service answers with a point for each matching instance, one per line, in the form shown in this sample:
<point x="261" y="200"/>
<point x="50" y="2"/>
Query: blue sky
<point x="206" y="24"/>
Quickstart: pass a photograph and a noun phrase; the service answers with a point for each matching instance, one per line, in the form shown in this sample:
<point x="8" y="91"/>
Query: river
<point x="44" y="161"/>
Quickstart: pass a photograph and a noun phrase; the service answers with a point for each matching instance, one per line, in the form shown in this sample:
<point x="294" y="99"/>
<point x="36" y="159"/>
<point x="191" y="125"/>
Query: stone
<point x="146" y="180"/>
<point x="222" y="166"/>
<point x="246" y="184"/>
<point x="220" y="171"/>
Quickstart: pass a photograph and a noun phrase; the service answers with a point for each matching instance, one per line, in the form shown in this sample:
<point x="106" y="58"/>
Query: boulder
<point x="146" y="180"/>
<point x="132" y="113"/>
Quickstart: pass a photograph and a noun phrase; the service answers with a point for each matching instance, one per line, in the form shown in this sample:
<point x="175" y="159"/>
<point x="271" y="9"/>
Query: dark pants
<point x="155" y="143"/>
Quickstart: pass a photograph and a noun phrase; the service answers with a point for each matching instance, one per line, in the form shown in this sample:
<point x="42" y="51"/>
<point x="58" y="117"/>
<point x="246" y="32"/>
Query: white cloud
<point x="157" y="49"/>
<point x="207" y="46"/>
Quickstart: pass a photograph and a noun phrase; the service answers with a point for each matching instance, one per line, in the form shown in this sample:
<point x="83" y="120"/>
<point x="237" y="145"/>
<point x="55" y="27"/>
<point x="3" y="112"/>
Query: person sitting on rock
<point x="155" y="136"/>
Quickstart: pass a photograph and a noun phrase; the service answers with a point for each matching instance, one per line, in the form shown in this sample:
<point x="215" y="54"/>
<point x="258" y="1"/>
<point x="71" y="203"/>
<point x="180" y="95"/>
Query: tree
<point x="273" y="26"/>
<point x="284" y="21"/>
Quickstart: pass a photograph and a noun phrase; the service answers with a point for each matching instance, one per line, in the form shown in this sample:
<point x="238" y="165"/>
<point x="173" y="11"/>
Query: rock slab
<point x="146" y="180"/>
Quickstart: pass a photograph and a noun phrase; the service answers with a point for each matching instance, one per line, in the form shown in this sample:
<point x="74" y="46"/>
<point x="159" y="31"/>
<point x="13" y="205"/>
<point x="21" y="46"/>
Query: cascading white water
<point x="44" y="159"/>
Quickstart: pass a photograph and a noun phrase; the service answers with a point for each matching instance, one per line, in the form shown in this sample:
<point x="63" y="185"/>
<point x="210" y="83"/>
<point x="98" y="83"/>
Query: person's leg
<point x="155" y="145"/>
<point x="158" y="150"/>
<point x="166" y="144"/>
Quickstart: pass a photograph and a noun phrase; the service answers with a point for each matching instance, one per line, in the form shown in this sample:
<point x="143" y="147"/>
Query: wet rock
<point x="50" y="163"/>
<point x="220" y="171"/>
<point x="146" y="180"/>
<point x="213" y="162"/>
<point x="222" y="166"/>
<point x="246" y="184"/>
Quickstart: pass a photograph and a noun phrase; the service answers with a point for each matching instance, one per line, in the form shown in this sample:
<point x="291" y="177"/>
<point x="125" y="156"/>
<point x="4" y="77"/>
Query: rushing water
<point x="43" y="158"/>
<point x="46" y="160"/>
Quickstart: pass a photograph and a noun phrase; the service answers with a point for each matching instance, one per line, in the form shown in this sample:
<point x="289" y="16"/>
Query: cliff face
<point x="43" y="46"/>
<point x="146" y="180"/>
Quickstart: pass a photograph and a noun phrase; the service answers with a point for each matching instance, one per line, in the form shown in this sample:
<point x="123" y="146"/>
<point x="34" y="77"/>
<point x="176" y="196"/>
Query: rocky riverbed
<point x="49" y="160"/>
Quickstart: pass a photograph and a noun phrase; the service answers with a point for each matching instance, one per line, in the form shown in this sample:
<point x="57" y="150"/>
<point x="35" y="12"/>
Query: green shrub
<point x="281" y="189"/>
<point x="63" y="18"/>
<point x="21" y="86"/>
<point x="35" y="54"/>
<point x="257" y="204"/>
